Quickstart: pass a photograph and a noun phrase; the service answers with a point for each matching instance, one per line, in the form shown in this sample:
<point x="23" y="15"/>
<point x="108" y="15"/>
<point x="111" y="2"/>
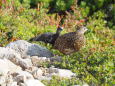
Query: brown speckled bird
<point x="71" y="42"/>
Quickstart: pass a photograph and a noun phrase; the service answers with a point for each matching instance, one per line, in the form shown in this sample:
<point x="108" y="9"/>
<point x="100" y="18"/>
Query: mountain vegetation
<point x="94" y="63"/>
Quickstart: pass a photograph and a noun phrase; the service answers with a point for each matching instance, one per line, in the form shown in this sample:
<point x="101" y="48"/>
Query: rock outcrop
<point x="27" y="49"/>
<point x="20" y="65"/>
<point x="13" y="56"/>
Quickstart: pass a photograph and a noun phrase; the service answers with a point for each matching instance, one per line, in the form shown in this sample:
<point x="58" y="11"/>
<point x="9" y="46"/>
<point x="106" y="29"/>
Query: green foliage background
<point x="94" y="63"/>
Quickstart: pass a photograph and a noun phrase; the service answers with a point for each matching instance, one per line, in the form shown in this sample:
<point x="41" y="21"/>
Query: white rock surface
<point x="28" y="62"/>
<point x="65" y="73"/>
<point x="61" y="72"/>
<point x="6" y="80"/>
<point x="37" y="73"/>
<point x="8" y="53"/>
<point x="23" y="76"/>
<point x="20" y="62"/>
<point x="82" y="85"/>
<point x="13" y="84"/>
<point x="38" y="61"/>
<point x="25" y="48"/>
<point x="49" y="72"/>
<point x="7" y="66"/>
<point x="56" y="58"/>
<point x="2" y="80"/>
<point x="13" y="57"/>
<point x="33" y="82"/>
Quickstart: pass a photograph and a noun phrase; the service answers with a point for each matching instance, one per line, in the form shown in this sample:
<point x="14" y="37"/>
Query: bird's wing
<point x="64" y="42"/>
<point x="43" y="36"/>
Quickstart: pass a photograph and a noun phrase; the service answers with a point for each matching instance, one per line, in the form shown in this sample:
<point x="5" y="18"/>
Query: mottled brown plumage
<point x="71" y="42"/>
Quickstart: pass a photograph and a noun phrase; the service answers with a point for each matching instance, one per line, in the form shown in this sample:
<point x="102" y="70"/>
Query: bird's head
<point x="82" y="29"/>
<point x="60" y="28"/>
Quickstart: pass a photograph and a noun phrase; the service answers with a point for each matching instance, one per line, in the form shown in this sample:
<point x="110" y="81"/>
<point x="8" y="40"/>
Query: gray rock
<point x="8" y="53"/>
<point x="7" y="66"/>
<point x="56" y="59"/>
<point x="48" y="78"/>
<point x="13" y="84"/>
<point x="38" y="61"/>
<point x="37" y="73"/>
<point x="28" y="61"/>
<point x="13" y="56"/>
<point x="61" y="72"/>
<point x="33" y="82"/>
<point x="25" y="48"/>
<point x="22" y="76"/>
<point x="82" y="85"/>
<point x="2" y="80"/>
<point x="6" y="80"/>
<point x="66" y="73"/>
<point x="49" y="72"/>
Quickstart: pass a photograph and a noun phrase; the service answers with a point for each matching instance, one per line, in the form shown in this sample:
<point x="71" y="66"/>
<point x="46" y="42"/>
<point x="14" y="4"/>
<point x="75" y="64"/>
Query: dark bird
<point x="71" y="42"/>
<point x="48" y="37"/>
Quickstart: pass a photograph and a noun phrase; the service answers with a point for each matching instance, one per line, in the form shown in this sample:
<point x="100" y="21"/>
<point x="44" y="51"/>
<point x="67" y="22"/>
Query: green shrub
<point x="42" y="3"/>
<point x="60" y="5"/>
<point x="93" y="64"/>
<point x="57" y="81"/>
<point x="94" y="5"/>
<point x="25" y="3"/>
<point x="17" y="27"/>
<point x="90" y="7"/>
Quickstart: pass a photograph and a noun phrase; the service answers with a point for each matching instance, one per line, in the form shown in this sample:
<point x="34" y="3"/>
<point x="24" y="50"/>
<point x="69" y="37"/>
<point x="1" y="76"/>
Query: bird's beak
<point x="88" y="30"/>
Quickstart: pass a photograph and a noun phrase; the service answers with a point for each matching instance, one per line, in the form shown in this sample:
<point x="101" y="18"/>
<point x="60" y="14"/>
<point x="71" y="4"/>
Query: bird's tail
<point x="31" y="39"/>
<point x="38" y="38"/>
